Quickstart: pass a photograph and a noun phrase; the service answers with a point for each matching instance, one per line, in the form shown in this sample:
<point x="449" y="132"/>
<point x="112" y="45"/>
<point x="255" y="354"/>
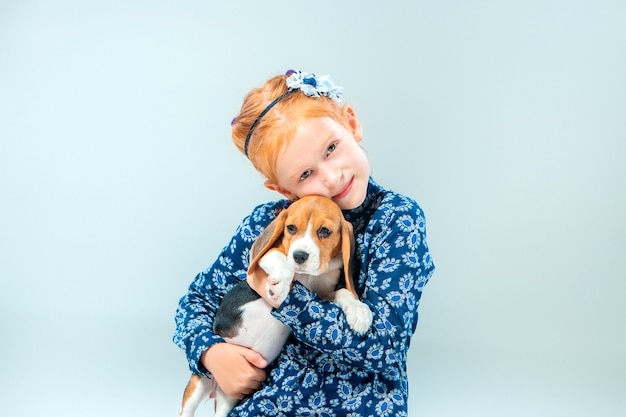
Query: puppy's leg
<point x="223" y="403"/>
<point x="358" y="314"/>
<point x="198" y="390"/>
<point x="280" y="275"/>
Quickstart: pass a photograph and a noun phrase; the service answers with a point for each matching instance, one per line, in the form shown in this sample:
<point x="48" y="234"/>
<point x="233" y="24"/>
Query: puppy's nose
<point x="300" y="257"/>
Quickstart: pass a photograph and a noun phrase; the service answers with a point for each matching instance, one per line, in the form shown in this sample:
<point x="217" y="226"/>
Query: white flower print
<point x="389" y="265"/>
<point x="247" y="234"/>
<point x="315" y="310"/>
<point x="405" y="223"/>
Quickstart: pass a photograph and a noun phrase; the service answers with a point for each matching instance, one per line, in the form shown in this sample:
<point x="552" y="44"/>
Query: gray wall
<point x="118" y="183"/>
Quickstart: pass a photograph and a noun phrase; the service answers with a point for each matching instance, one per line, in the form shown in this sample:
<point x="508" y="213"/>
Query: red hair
<point x="278" y="126"/>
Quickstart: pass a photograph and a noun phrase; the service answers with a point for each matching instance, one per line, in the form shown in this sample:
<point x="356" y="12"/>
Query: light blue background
<point x="118" y="183"/>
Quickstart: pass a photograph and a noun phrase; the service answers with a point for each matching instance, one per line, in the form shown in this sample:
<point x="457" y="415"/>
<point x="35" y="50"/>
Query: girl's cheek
<point x="309" y="189"/>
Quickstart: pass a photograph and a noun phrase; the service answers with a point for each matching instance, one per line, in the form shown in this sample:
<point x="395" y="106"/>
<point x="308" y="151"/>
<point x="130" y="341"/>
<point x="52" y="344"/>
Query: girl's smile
<point x="345" y="191"/>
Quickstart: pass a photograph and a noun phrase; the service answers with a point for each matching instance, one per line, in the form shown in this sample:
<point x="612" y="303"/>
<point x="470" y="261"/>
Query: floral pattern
<point x="326" y="369"/>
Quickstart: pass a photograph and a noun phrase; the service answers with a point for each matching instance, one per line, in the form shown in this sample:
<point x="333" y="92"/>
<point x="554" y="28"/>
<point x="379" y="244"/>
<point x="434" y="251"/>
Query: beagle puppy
<point x="309" y="241"/>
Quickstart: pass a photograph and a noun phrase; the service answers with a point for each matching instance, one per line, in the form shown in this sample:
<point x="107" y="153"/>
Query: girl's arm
<point x="238" y="370"/>
<point x="398" y="266"/>
<point x="196" y="310"/>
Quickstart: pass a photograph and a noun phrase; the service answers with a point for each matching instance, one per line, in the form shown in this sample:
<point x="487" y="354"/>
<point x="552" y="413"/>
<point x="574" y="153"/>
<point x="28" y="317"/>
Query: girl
<point x="304" y="142"/>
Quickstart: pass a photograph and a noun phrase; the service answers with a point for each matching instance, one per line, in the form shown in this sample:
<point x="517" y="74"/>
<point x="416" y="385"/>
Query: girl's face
<point x="324" y="158"/>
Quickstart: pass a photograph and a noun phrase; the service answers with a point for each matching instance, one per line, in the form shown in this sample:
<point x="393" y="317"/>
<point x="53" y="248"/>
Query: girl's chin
<point x="352" y="200"/>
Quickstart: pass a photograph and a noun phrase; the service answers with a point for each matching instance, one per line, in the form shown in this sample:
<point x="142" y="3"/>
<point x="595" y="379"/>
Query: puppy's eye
<point x="323" y="232"/>
<point x="292" y="229"/>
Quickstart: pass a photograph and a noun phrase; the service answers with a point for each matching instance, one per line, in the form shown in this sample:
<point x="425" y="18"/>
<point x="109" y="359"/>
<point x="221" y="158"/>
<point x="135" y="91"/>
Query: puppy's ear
<point x="347" y="251"/>
<point x="267" y="240"/>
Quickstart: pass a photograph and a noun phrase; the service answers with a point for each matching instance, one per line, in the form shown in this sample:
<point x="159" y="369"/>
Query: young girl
<point x="297" y="134"/>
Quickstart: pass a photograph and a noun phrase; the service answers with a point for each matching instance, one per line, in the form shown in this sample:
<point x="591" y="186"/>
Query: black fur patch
<point x="228" y="316"/>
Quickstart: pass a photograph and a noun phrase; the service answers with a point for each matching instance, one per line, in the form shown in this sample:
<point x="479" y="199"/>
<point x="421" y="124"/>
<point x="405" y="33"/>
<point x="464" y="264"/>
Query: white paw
<point x="279" y="275"/>
<point x="358" y="315"/>
<point x="278" y="286"/>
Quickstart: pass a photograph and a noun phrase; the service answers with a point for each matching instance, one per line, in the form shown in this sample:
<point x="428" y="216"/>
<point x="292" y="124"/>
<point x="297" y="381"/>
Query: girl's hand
<point x="237" y="370"/>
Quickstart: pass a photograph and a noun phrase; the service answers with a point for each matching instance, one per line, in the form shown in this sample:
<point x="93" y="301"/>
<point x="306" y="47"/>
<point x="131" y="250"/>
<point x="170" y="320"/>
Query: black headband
<point x="268" y="108"/>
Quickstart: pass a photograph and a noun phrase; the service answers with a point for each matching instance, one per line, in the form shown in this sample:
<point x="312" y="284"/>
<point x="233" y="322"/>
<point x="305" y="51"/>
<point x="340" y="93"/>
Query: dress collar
<point x="371" y="201"/>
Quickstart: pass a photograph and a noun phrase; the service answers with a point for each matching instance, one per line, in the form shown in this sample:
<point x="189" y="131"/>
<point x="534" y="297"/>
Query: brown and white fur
<point x="309" y="241"/>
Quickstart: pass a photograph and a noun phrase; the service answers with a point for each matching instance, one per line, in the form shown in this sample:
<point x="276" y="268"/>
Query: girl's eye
<point x="331" y="148"/>
<point x="292" y="229"/>
<point x="305" y="175"/>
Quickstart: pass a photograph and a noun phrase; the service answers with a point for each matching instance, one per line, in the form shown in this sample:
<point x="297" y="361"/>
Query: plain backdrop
<point x="505" y="120"/>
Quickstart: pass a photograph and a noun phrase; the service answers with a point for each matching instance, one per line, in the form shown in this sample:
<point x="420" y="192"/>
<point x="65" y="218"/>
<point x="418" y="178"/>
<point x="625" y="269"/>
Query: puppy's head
<point x="311" y="232"/>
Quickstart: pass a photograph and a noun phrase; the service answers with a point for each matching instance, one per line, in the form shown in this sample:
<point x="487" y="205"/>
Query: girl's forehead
<point x="313" y="133"/>
<point x="310" y="138"/>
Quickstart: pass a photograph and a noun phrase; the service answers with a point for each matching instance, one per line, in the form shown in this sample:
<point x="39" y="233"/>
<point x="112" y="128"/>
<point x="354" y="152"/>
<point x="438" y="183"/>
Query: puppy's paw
<point x="279" y="285"/>
<point x="279" y="276"/>
<point x="358" y="315"/>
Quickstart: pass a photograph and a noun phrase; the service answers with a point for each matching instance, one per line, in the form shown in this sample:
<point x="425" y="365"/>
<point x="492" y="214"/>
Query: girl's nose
<point x="331" y="176"/>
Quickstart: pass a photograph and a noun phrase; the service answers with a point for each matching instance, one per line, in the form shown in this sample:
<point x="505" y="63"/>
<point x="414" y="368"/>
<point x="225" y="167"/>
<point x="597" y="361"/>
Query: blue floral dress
<point x="326" y="369"/>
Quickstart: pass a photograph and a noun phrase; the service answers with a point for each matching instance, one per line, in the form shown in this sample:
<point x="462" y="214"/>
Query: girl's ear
<point x="275" y="187"/>
<point x="348" y="114"/>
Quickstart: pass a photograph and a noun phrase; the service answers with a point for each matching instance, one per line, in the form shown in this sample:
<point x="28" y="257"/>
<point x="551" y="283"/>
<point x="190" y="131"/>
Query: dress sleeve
<point x="196" y="309"/>
<point x="396" y="266"/>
